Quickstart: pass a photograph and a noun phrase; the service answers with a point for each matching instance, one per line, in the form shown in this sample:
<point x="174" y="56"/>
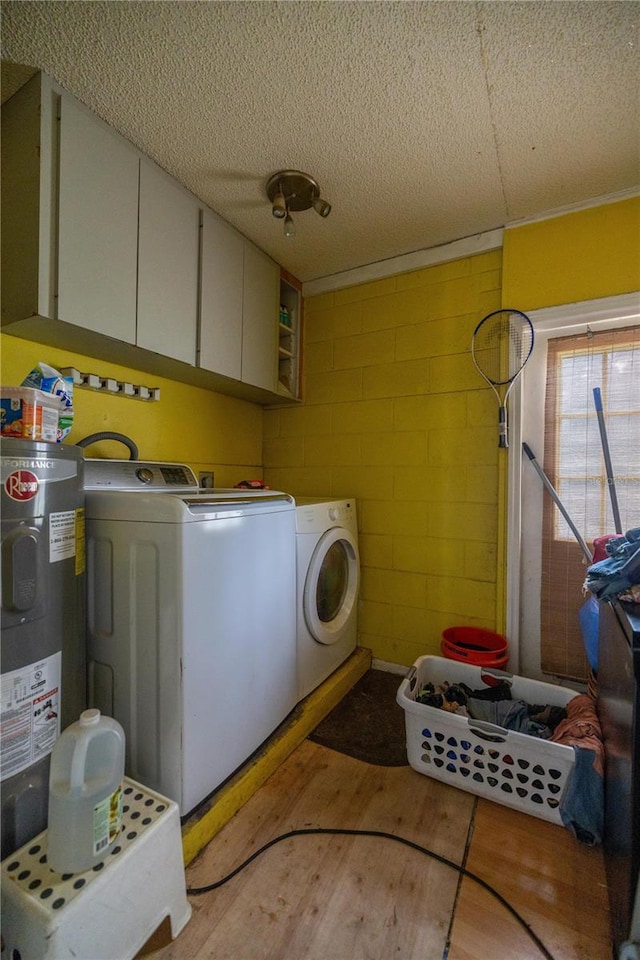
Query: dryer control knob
<point x="334" y="514"/>
<point x="144" y="475"/>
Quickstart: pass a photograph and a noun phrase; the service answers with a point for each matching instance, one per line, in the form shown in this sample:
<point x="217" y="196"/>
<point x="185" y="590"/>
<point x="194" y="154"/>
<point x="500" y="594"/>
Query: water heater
<point x="43" y="622"/>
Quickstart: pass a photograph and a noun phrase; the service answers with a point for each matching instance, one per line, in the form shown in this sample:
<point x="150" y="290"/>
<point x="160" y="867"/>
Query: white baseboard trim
<point x="387" y="667"/>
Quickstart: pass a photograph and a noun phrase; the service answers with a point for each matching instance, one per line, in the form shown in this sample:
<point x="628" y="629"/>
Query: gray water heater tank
<point x="43" y="622"/>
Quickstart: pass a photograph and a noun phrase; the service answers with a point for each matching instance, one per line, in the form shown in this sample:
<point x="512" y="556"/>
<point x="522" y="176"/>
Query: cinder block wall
<point x="396" y="415"/>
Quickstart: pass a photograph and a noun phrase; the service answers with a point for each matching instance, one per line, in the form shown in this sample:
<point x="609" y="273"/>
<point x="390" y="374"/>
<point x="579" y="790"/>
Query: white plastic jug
<point x="85" y="793"/>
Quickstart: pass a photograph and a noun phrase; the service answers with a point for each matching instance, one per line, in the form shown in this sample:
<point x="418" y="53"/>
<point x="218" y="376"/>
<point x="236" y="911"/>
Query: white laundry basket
<point x="514" y="769"/>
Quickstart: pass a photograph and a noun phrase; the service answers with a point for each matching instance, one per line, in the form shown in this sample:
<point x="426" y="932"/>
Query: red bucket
<point x="474" y="645"/>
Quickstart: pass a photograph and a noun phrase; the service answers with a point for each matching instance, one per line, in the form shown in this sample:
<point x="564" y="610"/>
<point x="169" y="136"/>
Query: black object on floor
<point x="367" y="724"/>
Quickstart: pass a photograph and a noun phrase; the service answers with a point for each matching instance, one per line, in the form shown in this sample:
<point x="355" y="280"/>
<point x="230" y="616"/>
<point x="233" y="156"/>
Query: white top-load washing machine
<point x="328" y="576"/>
<point x="191" y="620"/>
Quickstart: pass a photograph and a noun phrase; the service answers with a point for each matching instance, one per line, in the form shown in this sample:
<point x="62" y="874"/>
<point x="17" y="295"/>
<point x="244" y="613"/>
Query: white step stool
<point x="110" y="911"/>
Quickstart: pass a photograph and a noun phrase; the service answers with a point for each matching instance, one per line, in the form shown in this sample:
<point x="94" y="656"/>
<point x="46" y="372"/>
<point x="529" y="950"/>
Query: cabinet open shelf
<point x="289" y="339"/>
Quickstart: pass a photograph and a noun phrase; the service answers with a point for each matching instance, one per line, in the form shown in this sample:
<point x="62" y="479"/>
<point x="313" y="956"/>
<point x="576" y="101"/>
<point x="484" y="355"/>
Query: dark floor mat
<point x="368" y="724"/>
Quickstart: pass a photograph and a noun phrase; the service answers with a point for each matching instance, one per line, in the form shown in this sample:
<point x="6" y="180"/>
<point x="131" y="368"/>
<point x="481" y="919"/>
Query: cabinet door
<point x="97" y="225"/>
<point x="169" y="228"/>
<point x="222" y="256"/>
<point x="260" y="319"/>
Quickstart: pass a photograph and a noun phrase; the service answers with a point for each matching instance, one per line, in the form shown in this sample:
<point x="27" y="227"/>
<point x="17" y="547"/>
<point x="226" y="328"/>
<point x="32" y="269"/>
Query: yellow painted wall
<point x="578" y="256"/>
<point x="396" y="415"/>
<point x="207" y="430"/>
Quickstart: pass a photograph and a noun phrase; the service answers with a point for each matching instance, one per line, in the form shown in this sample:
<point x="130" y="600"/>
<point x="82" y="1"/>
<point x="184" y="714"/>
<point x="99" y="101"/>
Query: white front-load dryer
<point x="328" y="581"/>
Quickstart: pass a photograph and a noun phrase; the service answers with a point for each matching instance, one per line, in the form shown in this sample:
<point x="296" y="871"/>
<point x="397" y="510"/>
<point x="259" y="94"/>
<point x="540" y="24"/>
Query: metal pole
<point x="597" y="397"/>
<point x="556" y="499"/>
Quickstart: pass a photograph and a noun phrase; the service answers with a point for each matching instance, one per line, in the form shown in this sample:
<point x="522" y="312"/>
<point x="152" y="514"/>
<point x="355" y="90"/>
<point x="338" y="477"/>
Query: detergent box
<point x="29" y="414"/>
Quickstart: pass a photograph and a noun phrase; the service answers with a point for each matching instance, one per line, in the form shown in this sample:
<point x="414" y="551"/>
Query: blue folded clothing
<point x="620" y="570"/>
<point x="582" y="807"/>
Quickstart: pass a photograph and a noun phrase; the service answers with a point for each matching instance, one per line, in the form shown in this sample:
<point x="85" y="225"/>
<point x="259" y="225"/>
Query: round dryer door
<point x="331" y="587"/>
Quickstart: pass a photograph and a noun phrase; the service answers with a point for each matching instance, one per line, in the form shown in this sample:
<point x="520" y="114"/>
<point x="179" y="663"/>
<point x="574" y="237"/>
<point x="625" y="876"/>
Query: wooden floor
<point x="365" y="898"/>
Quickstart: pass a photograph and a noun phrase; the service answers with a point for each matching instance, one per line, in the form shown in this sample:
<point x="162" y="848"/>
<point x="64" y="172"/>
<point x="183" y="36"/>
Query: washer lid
<point x="181" y="508"/>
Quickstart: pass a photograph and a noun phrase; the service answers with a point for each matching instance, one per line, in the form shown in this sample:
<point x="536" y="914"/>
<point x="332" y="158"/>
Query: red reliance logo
<point x="21" y="485"/>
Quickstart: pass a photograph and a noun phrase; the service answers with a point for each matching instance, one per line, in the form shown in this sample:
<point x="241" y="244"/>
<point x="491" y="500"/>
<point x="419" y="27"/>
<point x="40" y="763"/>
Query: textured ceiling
<point x="423" y="122"/>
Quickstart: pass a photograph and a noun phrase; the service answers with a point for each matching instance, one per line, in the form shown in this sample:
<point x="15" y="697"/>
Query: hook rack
<point x="119" y="388"/>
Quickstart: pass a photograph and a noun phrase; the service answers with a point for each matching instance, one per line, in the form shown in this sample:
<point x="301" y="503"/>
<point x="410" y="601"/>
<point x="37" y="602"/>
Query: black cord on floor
<point x="314" y="831"/>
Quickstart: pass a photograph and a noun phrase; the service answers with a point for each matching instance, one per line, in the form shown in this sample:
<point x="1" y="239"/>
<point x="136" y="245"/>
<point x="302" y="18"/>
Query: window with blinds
<point x="574" y="462"/>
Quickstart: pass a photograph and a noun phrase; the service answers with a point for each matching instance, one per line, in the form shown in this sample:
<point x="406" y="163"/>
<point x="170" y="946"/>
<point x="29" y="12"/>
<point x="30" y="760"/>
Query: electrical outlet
<point x="205" y="479"/>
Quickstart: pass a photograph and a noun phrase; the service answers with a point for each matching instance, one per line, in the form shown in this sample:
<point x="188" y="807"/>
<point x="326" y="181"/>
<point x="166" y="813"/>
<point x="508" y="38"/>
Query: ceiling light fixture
<point x="321" y="206"/>
<point x="294" y="190"/>
<point x="289" y="228"/>
<point x="279" y="207"/>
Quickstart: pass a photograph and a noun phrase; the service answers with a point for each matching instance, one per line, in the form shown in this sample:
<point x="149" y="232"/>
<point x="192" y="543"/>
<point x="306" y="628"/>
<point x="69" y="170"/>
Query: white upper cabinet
<point x="260" y="317"/>
<point x="238" y="306"/>
<point x="29" y="184"/>
<point x="168" y="241"/>
<point x="97" y="225"/>
<point x="104" y="253"/>
<point x="222" y="266"/>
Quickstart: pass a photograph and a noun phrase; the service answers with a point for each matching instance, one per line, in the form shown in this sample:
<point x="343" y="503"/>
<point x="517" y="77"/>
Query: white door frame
<point x="525" y="489"/>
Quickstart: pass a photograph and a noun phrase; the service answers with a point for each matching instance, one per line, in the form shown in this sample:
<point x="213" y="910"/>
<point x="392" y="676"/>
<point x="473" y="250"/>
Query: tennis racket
<point x="501" y="345"/>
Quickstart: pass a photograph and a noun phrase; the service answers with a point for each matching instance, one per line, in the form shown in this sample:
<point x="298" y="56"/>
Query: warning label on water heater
<point x="62" y="535"/>
<point x="30" y="715"/>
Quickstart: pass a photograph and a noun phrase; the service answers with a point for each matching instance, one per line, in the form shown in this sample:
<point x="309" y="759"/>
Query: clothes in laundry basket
<point x="494" y="705"/>
<point x="582" y="807"/>
<point x="533" y="719"/>
<point x="451" y="696"/>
